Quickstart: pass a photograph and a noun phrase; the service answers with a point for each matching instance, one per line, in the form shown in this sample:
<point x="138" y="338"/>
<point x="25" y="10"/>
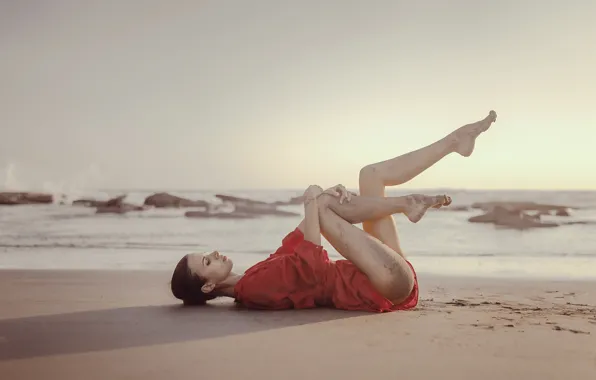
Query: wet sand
<point x="125" y="325"/>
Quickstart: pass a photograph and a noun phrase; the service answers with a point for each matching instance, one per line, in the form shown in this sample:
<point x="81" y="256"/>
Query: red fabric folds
<point x="299" y="275"/>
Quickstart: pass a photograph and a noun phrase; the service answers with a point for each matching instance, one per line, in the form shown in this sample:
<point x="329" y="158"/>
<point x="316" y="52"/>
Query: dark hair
<point x="186" y="286"/>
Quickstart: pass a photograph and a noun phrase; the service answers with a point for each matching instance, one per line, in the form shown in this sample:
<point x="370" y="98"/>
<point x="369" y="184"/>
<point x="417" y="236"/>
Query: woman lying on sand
<point x="375" y="276"/>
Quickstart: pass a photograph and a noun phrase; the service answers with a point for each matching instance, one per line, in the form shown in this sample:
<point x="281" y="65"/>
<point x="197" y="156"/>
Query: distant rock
<point x="88" y="202"/>
<point x="116" y="201"/>
<point x="516" y="219"/>
<point x="165" y="200"/>
<point x="562" y="212"/>
<point x="116" y="206"/>
<point x="522" y="206"/>
<point x="24" y="198"/>
<point x="244" y="201"/>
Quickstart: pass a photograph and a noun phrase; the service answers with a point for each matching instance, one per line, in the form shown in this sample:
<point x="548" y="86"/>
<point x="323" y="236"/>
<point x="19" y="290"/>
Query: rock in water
<point x="516" y="219"/>
<point x="165" y="200"/>
<point x="24" y="198"/>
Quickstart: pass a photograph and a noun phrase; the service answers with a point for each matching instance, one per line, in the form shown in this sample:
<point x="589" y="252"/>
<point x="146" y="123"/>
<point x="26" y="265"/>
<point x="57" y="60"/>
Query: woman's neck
<point x="226" y="288"/>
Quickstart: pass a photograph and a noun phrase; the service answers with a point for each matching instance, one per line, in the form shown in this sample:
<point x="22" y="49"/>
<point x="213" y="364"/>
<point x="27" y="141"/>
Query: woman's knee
<point x="367" y="173"/>
<point x="370" y="181"/>
<point x="324" y="201"/>
<point x="396" y="285"/>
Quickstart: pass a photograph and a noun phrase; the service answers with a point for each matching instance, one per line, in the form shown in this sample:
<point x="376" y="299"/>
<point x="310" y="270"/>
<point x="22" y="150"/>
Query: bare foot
<point x="418" y="204"/>
<point x="465" y="137"/>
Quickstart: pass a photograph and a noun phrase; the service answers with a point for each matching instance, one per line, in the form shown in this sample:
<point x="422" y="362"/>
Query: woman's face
<point x="212" y="267"/>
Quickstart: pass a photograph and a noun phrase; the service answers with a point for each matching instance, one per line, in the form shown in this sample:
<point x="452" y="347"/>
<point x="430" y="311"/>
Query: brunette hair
<point x="186" y="286"/>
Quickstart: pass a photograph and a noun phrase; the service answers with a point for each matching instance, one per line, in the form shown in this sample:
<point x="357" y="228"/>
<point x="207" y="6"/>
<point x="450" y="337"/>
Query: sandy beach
<point x="125" y="325"/>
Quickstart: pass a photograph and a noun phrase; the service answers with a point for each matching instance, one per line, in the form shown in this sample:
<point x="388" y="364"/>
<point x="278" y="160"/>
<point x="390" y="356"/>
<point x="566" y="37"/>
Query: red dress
<point x="299" y="275"/>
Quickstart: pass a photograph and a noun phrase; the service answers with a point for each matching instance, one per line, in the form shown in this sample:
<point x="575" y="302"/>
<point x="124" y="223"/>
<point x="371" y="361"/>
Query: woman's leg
<point x="387" y="271"/>
<point x="362" y="208"/>
<point x="374" y="177"/>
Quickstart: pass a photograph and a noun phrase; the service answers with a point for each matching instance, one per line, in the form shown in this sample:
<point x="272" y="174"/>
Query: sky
<point x="149" y="94"/>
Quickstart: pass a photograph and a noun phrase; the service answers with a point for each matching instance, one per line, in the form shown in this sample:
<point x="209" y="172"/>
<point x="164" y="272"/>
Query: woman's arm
<point x="312" y="228"/>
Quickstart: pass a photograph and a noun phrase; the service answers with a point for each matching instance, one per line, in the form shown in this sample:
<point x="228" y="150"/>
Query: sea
<point x="63" y="236"/>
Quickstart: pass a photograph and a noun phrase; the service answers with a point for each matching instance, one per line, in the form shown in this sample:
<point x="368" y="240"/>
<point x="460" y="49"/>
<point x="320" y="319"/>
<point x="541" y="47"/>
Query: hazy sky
<point x="282" y="94"/>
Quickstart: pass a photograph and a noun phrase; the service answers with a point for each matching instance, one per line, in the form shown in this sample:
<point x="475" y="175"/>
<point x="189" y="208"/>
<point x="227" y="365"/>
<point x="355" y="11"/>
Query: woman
<point x="375" y="275"/>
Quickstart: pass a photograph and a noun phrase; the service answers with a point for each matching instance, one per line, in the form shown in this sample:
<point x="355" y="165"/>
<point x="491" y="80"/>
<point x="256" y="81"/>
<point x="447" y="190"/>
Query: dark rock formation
<point x="522" y="206"/>
<point x="516" y="219"/>
<point x="24" y="198"/>
<point x="87" y="202"/>
<point x="244" y="201"/>
<point x="562" y="212"/>
<point x="165" y="200"/>
<point x="117" y="206"/>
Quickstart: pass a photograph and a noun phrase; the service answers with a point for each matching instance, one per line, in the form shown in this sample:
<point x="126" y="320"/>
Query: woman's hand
<point x="312" y="192"/>
<point x="340" y="191"/>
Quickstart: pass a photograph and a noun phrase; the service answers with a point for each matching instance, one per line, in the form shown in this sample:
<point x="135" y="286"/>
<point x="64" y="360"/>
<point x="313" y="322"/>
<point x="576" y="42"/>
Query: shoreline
<point x="98" y="324"/>
<point x="431" y="277"/>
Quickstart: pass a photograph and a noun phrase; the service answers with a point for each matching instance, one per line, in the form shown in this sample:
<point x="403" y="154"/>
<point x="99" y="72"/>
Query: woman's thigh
<point x="387" y="270"/>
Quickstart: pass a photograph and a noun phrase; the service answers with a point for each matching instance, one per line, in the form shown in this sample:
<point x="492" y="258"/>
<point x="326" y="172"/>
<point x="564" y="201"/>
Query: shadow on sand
<point x="141" y="326"/>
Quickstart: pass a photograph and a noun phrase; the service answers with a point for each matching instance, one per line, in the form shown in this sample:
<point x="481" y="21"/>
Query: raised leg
<point x="362" y="208"/>
<point x="401" y="169"/>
